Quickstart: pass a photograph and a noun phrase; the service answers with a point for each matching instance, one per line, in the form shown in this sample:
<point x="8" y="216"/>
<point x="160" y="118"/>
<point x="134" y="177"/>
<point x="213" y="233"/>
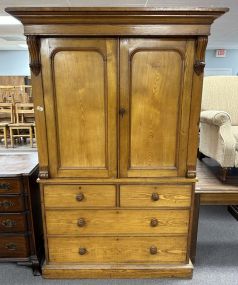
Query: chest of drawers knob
<point x="154" y="196"/>
<point x="154" y="222"/>
<point x="6" y="204"/>
<point x="9" y="223"/>
<point x="153" y="250"/>
<point x="82" y="251"/>
<point x="81" y="222"/>
<point x="11" y="246"/>
<point x="80" y="197"/>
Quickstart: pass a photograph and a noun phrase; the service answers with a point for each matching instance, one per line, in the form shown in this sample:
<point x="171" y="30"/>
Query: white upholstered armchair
<point x="219" y="121"/>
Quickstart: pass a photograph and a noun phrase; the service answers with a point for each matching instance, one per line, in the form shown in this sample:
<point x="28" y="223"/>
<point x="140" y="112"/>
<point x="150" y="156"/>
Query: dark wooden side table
<point x="21" y="234"/>
<point x="211" y="191"/>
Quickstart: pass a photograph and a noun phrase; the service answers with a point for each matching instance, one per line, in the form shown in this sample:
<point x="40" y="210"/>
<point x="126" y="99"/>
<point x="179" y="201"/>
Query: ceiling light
<point x="8" y="20"/>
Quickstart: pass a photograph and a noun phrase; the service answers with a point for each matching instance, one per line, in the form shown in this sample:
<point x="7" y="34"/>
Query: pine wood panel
<point x="91" y="195"/>
<point x="152" y="104"/>
<point x="118" y="250"/>
<point x="82" y="116"/>
<point x="80" y="108"/>
<point x="116" y="222"/>
<point x="168" y="196"/>
<point x="150" y="94"/>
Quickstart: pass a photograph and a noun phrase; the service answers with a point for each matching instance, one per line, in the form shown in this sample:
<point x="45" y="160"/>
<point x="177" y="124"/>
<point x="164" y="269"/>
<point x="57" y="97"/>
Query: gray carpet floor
<point x="216" y="263"/>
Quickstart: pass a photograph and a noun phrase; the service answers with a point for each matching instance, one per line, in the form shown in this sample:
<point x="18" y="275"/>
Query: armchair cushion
<point x="217" y="118"/>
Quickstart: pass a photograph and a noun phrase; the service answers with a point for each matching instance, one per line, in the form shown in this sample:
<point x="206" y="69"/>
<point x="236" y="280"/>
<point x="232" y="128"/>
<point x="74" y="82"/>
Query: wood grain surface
<point x="170" y="250"/>
<point x="168" y="196"/>
<point x="117" y="222"/>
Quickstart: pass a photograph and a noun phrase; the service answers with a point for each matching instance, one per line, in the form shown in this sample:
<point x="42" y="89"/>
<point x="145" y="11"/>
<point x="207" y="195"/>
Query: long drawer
<point x="11" y="203"/>
<point x="79" y="196"/>
<point x="155" y="196"/>
<point x="163" y="250"/>
<point x="117" y="221"/>
<point x="13" y="246"/>
<point x="12" y="222"/>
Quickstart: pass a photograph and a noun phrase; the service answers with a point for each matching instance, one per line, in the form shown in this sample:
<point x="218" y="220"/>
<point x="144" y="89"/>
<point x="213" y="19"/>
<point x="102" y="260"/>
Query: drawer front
<point x="14" y="246"/>
<point x="10" y="186"/>
<point x="13" y="223"/>
<point x="164" y="250"/>
<point x="155" y="196"/>
<point x="117" y="222"/>
<point x="11" y="203"/>
<point x="79" y="196"/>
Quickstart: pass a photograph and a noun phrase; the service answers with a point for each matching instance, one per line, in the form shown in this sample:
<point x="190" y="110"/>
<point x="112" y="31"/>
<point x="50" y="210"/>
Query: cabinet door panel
<point x="155" y="86"/>
<point x="81" y="120"/>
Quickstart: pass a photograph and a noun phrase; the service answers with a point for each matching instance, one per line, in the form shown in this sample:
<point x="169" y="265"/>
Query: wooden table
<point x="210" y="190"/>
<point x="21" y="237"/>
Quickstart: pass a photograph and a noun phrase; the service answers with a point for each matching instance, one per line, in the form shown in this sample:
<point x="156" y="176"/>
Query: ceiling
<point x="224" y="30"/>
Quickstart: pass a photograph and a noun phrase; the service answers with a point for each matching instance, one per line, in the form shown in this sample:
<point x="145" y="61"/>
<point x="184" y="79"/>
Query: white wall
<point x="14" y="63"/>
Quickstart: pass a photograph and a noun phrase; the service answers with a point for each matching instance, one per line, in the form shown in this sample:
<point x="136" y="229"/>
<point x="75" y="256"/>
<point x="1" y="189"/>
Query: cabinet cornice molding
<point x="116" y="21"/>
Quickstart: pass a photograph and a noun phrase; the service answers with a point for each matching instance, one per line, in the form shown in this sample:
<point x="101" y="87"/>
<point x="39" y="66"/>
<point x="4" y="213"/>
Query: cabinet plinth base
<point x="88" y="271"/>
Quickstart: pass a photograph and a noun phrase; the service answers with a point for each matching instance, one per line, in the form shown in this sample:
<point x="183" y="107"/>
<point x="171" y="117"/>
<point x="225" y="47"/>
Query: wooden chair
<point x="6" y="118"/>
<point x="23" y="128"/>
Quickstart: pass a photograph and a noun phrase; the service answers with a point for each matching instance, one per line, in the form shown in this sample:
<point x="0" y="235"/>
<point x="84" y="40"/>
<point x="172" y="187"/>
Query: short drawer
<point x="79" y="196"/>
<point x="13" y="246"/>
<point x="12" y="203"/>
<point x="155" y="196"/>
<point x="165" y="250"/>
<point x="10" y="186"/>
<point x="81" y="222"/>
<point x="10" y="222"/>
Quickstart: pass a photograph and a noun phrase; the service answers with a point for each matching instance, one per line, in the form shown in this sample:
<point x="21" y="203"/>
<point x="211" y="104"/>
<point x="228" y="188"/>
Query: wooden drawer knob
<point x="155" y="196"/>
<point x="81" y="222"/>
<point x="154" y="222"/>
<point x="80" y="197"/>
<point x="82" y="250"/>
<point x="153" y="250"/>
<point x="8" y="223"/>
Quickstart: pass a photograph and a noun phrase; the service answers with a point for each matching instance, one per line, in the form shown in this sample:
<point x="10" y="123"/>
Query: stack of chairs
<point x="17" y="122"/>
<point x="6" y="118"/>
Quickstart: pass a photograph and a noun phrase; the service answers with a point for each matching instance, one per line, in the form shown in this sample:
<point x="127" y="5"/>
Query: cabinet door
<point x="79" y="82"/>
<point x="155" y="90"/>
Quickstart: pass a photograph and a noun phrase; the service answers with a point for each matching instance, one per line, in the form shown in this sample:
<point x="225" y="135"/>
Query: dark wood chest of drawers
<point x="20" y="218"/>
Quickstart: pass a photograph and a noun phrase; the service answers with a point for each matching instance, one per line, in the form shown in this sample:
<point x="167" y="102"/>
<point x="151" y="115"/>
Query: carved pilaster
<point x="200" y="54"/>
<point x="34" y="50"/>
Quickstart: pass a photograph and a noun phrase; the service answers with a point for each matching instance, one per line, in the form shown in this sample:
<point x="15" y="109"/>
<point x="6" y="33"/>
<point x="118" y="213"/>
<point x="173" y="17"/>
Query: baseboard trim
<point x="92" y="271"/>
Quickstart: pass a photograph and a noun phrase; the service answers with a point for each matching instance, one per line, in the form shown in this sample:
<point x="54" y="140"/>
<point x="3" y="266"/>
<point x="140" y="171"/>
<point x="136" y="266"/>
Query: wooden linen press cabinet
<point x="117" y="96"/>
